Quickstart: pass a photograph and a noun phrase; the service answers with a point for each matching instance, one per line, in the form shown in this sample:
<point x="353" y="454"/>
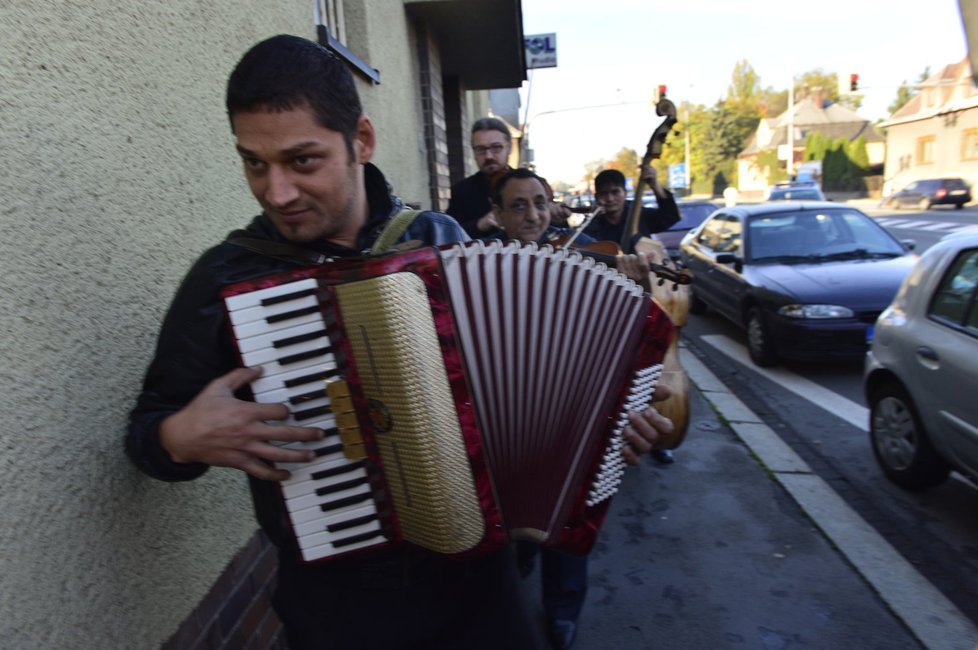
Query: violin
<point x="608" y="252"/>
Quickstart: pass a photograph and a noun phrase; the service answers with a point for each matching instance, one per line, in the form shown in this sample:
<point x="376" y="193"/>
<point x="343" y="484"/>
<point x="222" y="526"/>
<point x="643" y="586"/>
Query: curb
<point x="934" y="620"/>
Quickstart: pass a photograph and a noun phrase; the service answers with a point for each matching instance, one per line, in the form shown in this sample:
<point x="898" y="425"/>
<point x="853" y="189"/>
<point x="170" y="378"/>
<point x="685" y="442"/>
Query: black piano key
<point x="288" y="315"/>
<point x="329" y="449"/>
<point x="286" y="297"/>
<point x="336" y="471"/>
<point x="308" y="379"/>
<point x="302" y="356"/>
<point x="353" y="539"/>
<point x="339" y="487"/>
<point x="351" y="523"/>
<point x="344" y="502"/>
<point x="301" y="338"/>
<point x="307" y="397"/>
<point x="299" y="416"/>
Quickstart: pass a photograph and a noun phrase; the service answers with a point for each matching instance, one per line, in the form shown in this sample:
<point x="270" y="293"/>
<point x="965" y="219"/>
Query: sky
<point x="612" y="54"/>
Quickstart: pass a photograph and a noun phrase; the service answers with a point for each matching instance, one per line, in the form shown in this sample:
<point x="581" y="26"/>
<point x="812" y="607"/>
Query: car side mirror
<point x="727" y="258"/>
<point x="909" y="244"/>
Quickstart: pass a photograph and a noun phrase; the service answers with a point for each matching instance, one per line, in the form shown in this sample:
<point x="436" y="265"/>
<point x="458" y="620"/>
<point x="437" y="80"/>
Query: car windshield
<point x="806" y="236"/>
<point x="692" y="215"/>
<point x="795" y="195"/>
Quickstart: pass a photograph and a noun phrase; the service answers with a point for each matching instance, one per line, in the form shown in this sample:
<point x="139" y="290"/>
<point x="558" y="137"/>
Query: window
<point x="954" y="300"/>
<point x="925" y="150"/>
<point x="722" y="234"/>
<point x="969" y="144"/>
<point x="330" y="14"/>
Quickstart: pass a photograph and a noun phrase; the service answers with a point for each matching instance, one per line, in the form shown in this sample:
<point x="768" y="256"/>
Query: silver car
<point x="921" y="373"/>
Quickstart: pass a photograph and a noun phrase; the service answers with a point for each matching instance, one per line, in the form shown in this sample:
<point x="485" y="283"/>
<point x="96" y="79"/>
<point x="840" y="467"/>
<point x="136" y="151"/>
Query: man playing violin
<point x="613" y="208"/>
<point x="520" y="205"/>
<point x="522" y="209"/>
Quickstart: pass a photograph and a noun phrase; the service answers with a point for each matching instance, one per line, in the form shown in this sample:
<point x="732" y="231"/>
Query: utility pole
<point x="689" y="189"/>
<point x="790" y="162"/>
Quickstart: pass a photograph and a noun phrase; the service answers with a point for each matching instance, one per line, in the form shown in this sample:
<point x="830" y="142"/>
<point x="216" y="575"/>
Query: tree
<point x="907" y="92"/>
<point x="745" y="85"/>
<point x="626" y="161"/>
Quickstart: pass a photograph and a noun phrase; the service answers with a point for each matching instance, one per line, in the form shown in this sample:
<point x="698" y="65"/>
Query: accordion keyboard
<point x="329" y="500"/>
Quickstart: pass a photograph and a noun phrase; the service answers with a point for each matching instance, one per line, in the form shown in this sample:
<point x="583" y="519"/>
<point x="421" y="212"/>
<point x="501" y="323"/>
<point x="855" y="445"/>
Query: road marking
<point x="947" y="226"/>
<point x="932" y="618"/>
<point x="850" y="411"/>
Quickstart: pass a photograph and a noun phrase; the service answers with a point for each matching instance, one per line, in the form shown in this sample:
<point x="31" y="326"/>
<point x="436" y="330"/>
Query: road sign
<point x="677" y="175"/>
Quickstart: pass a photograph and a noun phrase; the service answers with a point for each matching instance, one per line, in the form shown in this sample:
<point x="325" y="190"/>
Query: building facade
<point x="118" y="170"/>
<point x="810" y="115"/>
<point x="935" y="134"/>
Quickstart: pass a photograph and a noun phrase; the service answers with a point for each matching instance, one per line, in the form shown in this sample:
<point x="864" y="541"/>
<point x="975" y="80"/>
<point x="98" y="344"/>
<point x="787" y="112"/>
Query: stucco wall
<point x="117" y="170"/>
<point x="901" y="140"/>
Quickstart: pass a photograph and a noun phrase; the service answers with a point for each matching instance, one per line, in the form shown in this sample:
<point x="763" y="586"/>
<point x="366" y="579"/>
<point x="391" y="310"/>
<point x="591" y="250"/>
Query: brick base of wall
<point x="237" y="612"/>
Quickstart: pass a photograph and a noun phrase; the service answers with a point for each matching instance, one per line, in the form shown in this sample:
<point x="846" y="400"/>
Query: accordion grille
<point x="393" y="338"/>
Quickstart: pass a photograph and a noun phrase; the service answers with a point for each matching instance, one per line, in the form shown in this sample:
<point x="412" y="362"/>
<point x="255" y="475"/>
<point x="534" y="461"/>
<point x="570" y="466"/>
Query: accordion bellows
<point x="489" y="382"/>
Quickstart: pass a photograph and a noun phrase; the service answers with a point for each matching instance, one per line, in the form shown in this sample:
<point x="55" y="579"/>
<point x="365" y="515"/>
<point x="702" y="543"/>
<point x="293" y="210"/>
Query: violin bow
<point x="664" y="107"/>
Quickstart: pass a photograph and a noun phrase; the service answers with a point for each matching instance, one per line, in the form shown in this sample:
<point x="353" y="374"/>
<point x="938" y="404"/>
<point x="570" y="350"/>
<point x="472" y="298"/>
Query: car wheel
<point x="924" y="204"/>
<point x="899" y="442"/>
<point x="759" y="343"/>
<point x="958" y="206"/>
<point x="696" y="304"/>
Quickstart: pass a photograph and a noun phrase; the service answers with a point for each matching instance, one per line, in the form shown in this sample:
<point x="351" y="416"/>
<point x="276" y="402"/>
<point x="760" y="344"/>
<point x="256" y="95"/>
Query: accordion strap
<point x="304" y="257"/>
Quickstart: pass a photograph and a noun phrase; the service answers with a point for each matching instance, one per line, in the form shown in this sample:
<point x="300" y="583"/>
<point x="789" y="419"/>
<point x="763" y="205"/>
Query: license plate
<point x="957" y="191"/>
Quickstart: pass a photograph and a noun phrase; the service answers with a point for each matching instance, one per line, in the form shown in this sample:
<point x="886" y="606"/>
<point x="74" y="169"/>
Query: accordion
<point x="470" y="394"/>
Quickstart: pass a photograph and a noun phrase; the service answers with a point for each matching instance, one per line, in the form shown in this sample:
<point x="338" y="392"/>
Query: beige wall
<point x="117" y="170"/>
<point x="901" y="143"/>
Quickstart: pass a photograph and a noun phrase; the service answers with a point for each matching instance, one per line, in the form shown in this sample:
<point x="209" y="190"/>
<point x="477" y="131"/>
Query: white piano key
<point x="324" y="551"/>
<point x="304" y="525"/>
<point x="269" y="339"/>
<point x="253" y="298"/>
<point x="304" y="473"/>
<point x="271" y="358"/>
<point x="260" y="327"/>
<point x="296" y="489"/>
<point x="275" y="382"/>
<point x="264" y="313"/>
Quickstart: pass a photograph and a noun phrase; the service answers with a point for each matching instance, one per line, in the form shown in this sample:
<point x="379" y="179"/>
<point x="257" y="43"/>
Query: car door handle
<point x="927" y="353"/>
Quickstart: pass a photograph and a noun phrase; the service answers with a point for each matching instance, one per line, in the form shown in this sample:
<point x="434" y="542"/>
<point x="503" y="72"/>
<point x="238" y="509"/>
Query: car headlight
<point x="816" y="311"/>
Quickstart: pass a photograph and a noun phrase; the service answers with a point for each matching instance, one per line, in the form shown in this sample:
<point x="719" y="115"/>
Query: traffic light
<point x="662" y="91"/>
<point x="853" y="82"/>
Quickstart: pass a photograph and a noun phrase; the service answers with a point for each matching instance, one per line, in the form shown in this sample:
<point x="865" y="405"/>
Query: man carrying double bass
<point x="610" y="223"/>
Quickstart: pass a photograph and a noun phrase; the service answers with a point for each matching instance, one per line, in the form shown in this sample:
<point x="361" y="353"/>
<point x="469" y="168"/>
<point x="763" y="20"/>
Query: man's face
<point x="523" y="214"/>
<point x="611" y="198"/>
<point x="491" y="151"/>
<point x="302" y="174"/>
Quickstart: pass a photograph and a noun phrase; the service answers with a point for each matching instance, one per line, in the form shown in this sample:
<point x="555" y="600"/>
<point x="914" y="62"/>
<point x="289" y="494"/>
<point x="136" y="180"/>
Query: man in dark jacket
<point x="614" y="209"/>
<point x="306" y="148"/>
<point x="470" y="199"/>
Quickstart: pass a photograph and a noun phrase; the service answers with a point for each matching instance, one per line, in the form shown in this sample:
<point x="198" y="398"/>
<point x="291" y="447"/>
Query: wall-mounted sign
<point x="541" y="50"/>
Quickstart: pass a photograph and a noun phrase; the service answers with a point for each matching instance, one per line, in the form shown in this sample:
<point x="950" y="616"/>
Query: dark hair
<point x="519" y="173"/>
<point x="492" y="124"/>
<point x="608" y="177"/>
<point x="286" y="72"/>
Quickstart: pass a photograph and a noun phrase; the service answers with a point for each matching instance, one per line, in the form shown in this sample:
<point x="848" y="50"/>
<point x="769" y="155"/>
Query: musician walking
<point x="520" y="205"/>
<point x="471" y="198"/>
<point x="306" y="147"/>
<point x="610" y="223"/>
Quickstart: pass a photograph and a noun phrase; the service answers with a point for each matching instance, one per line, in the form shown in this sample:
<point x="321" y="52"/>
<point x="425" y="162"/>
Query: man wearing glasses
<point x="470" y="203"/>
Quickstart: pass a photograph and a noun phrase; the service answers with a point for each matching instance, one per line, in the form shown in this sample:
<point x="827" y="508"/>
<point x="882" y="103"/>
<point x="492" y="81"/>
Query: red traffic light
<point x="853" y="82"/>
<point x="662" y="90"/>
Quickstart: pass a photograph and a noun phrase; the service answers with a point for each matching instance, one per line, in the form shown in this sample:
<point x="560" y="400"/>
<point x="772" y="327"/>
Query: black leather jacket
<point x="195" y="346"/>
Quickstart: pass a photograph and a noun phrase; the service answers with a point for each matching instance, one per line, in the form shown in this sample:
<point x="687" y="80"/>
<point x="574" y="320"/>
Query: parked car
<point x="691" y="214"/>
<point x="921" y="371"/>
<point x="805" y="280"/>
<point x="796" y="191"/>
<point x="927" y="193"/>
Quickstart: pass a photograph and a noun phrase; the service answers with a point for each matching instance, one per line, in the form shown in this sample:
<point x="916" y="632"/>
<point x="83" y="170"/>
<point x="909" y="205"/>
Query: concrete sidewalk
<point x="739" y="545"/>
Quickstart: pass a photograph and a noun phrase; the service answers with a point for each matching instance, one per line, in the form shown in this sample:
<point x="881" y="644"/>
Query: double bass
<point x="673" y="300"/>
